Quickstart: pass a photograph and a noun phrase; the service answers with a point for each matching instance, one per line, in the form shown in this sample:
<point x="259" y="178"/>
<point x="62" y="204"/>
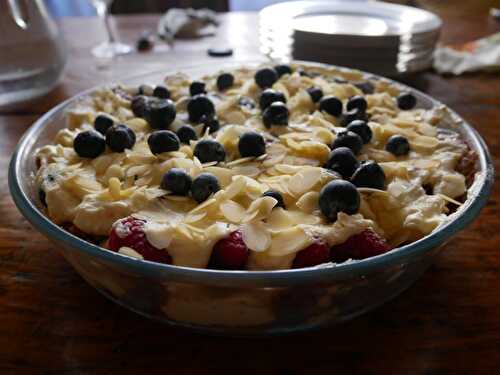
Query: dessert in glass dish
<point x="255" y="168"/>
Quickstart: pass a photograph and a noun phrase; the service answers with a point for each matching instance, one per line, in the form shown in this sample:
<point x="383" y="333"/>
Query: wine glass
<point x="111" y="47"/>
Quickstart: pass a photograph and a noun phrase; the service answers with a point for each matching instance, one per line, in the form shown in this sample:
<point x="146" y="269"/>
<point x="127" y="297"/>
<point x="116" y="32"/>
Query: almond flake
<point x="114" y="186"/>
<point x="247" y="170"/>
<point x="232" y="211"/>
<point x="304" y="181"/>
<point x="209" y="164"/>
<point x="224" y="175"/>
<point x="289" y="241"/>
<point x="308" y="202"/>
<point x="183" y="230"/>
<point x="240" y="161"/>
<point x="426" y="163"/>
<point x="203" y="206"/>
<point x="371" y="190"/>
<point x="255" y="236"/>
<point x="193" y="218"/>
<point x="451" y="200"/>
<point x="130" y="252"/>
<point x="235" y="187"/>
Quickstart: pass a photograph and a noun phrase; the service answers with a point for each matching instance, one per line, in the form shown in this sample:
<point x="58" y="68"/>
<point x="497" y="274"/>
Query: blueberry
<point x="120" y="137"/>
<point x="354" y="114"/>
<point x="163" y="141"/>
<point x="246" y="102"/>
<point x="208" y="150"/>
<point x="160" y="113"/>
<point x="350" y="140"/>
<point x="203" y="186"/>
<point x="225" y="81"/>
<point x="406" y="101"/>
<point x="89" y="144"/>
<point x="358" y="102"/>
<point x="283" y="69"/>
<point x="197" y="87"/>
<point x="102" y="123"/>
<point x="370" y="175"/>
<point x="251" y="144"/>
<point x="198" y="106"/>
<point x="276" y="195"/>
<point x="365" y="86"/>
<point x="331" y="105"/>
<point x="186" y="133"/>
<point x="42" y="196"/>
<point x="275" y="114"/>
<point x="138" y="105"/>
<point x="161" y="92"/>
<point x="265" y="77"/>
<point x="270" y="96"/>
<point x="338" y="196"/>
<point x="342" y="161"/>
<point x="177" y="181"/>
<point x="398" y="145"/>
<point x="315" y="93"/>
<point x="362" y="129"/>
<point x="211" y="123"/>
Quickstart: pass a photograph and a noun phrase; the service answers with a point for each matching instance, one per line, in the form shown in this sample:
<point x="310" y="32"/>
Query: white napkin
<point x="481" y="54"/>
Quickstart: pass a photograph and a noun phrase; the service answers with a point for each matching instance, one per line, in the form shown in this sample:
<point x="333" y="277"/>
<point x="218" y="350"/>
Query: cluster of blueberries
<point x="159" y="111"/>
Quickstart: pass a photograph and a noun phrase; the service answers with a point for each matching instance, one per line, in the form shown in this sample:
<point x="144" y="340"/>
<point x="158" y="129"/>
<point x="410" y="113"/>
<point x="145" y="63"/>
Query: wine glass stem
<point x="109" y="29"/>
<point x="103" y="12"/>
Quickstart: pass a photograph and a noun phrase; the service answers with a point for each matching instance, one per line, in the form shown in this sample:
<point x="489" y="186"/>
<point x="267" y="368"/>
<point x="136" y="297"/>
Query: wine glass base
<point x="110" y="50"/>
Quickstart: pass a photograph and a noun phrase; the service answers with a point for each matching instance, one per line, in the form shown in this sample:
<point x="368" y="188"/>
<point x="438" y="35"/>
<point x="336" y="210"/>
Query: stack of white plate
<point x="382" y="38"/>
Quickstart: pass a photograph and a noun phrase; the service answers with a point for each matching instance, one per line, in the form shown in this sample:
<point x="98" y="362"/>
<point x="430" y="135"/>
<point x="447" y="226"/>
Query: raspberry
<point x="129" y="232"/>
<point x="360" y="246"/>
<point x="312" y="255"/>
<point x="230" y="252"/>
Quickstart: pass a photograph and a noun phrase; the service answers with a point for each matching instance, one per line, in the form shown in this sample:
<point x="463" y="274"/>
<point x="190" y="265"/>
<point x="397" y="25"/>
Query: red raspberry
<point x="312" y="255"/>
<point x="360" y="246"/>
<point x="129" y="232"/>
<point x="230" y="253"/>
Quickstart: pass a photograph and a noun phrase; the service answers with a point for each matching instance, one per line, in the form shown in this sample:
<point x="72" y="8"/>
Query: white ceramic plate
<point x="359" y="18"/>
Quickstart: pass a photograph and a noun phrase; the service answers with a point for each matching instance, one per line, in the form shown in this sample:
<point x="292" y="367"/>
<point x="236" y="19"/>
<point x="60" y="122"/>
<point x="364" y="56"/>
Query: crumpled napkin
<point x="187" y="23"/>
<point x="479" y="55"/>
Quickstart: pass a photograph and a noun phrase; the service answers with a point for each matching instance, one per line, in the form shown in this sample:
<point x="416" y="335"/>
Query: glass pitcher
<point x="32" y="53"/>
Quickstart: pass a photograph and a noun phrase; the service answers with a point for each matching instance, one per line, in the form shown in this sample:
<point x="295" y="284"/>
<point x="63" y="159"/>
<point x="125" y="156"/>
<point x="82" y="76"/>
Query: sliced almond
<point x="304" y="181"/>
<point x="240" y="161"/>
<point x="247" y="170"/>
<point x="426" y="163"/>
<point x="289" y="241"/>
<point x="130" y="252"/>
<point x="308" y="202"/>
<point x="232" y="211"/>
<point x="235" y="187"/>
<point x="255" y="236"/>
<point x="203" y="206"/>
<point x="224" y="175"/>
<point x="193" y="218"/>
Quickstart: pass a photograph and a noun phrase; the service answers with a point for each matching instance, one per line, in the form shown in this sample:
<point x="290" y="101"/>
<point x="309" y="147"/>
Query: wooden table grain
<point x="52" y="322"/>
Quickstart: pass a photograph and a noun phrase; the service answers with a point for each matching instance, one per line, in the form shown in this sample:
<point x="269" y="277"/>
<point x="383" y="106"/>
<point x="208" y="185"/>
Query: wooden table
<point x="52" y="322"/>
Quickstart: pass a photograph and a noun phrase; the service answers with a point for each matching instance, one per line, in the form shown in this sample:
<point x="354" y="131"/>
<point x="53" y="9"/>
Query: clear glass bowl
<point x="242" y="303"/>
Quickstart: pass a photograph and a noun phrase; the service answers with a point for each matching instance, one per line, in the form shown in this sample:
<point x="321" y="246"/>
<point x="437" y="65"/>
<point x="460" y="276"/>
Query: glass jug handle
<point x="19" y="12"/>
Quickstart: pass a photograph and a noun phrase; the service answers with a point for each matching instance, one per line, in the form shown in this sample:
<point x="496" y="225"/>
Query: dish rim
<point x="287" y="277"/>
